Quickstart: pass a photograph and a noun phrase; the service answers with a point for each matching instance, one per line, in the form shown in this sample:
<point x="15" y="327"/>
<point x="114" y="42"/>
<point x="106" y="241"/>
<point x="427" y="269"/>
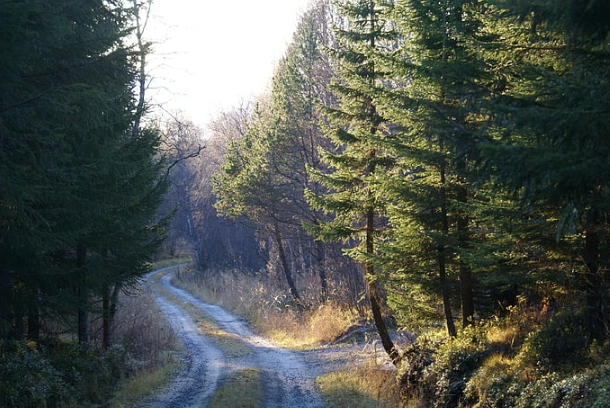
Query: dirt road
<point x="287" y="379"/>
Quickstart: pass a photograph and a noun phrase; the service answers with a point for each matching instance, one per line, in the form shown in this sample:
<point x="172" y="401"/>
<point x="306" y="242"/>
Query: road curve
<point x="287" y="381"/>
<point x="195" y="385"/>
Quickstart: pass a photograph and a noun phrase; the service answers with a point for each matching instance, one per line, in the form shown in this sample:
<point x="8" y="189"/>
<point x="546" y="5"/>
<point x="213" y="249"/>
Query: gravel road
<point x="287" y="376"/>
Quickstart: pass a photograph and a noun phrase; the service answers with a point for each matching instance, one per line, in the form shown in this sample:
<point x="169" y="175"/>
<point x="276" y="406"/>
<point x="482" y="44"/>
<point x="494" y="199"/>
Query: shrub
<point x="28" y="380"/>
<point x="562" y="343"/>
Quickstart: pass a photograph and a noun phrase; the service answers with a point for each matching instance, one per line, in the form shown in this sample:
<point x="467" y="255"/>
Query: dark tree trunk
<point x="6" y="305"/>
<point x="106" y="318"/>
<point x="34" y="324"/>
<point x="320" y="255"/>
<point x="371" y="286"/>
<point x="442" y="263"/>
<point x="286" y="267"/>
<point x="594" y="298"/>
<point x="110" y="300"/>
<point x="466" y="283"/>
<point x="445" y="293"/>
<point x="83" y="295"/>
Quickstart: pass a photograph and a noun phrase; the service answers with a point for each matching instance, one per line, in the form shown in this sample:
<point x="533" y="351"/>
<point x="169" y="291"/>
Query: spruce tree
<point x="66" y="150"/>
<point x="550" y="143"/>
<point x="434" y="101"/>
<point x="358" y="160"/>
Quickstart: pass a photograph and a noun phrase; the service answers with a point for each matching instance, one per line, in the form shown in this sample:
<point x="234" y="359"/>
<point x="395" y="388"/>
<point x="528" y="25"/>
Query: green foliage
<point x="57" y="375"/>
<point x="563" y="343"/>
<point x="28" y="379"/>
<point x="80" y="181"/>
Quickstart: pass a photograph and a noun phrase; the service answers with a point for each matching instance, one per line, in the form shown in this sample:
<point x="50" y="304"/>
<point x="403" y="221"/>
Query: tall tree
<point x="553" y="153"/>
<point x="66" y="130"/>
<point x="265" y="174"/>
<point x="434" y="101"/>
<point x="358" y="159"/>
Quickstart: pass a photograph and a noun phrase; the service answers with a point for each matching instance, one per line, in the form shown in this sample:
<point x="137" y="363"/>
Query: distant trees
<point x="196" y="227"/>
<point x="80" y="181"/>
<point x="265" y="173"/>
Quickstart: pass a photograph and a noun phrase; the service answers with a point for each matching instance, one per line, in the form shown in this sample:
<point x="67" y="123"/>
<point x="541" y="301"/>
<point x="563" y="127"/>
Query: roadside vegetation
<point x="61" y="373"/>
<point x="267" y="307"/>
<point x="434" y="167"/>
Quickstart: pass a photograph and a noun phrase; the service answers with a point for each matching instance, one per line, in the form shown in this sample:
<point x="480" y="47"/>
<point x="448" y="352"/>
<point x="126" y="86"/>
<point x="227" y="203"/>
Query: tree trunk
<point x="445" y="292"/>
<point x="286" y="267"/>
<point x="594" y="299"/>
<point x="371" y="286"/>
<point x="466" y="283"/>
<point x="83" y="295"/>
<point x="442" y="263"/>
<point x="110" y="300"/>
<point x="106" y="317"/>
<point x="34" y="324"/>
<point x="320" y="255"/>
<point x="6" y="305"/>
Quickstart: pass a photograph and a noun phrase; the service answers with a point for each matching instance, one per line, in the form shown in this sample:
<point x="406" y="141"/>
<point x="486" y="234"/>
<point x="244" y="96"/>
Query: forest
<point x="433" y="171"/>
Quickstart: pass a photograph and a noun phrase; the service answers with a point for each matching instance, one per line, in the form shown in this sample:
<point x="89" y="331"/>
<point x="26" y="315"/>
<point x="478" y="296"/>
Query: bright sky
<point x="210" y="55"/>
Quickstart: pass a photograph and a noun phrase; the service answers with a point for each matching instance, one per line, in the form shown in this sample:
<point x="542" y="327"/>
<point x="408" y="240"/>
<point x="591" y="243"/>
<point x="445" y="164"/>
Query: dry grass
<point x="361" y="387"/>
<point x="268" y="308"/>
<point x="144" y="384"/>
<point x="152" y="346"/>
<point x="242" y="390"/>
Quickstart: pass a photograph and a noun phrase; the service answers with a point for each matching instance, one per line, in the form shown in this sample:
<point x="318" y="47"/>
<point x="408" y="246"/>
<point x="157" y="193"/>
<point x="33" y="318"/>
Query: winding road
<point x="287" y="379"/>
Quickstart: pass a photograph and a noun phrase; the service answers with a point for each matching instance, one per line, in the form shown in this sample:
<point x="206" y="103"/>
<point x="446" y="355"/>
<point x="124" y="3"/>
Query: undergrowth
<point x="56" y="372"/>
<point x="269" y="309"/>
<point x="529" y="359"/>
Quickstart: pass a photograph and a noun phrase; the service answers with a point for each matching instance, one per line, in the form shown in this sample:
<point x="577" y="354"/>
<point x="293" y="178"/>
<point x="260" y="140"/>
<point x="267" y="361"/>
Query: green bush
<point x="90" y="372"/>
<point x="28" y="379"/>
<point x="57" y="375"/>
<point x="438" y="372"/>
<point x="560" y="344"/>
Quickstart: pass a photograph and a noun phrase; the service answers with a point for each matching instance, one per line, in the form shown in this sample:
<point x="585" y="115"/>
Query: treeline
<point x="457" y="150"/>
<point x="80" y="177"/>
<point x="266" y="146"/>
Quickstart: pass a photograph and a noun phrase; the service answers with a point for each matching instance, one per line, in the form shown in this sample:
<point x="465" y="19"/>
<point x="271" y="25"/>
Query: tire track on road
<point x="287" y="381"/>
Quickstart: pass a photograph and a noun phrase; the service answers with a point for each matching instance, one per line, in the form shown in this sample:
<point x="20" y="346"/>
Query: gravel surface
<point x="287" y="376"/>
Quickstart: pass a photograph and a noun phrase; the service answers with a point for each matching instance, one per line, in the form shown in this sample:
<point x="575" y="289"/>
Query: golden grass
<point x="242" y="390"/>
<point x="361" y="387"/>
<point x="268" y="309"/>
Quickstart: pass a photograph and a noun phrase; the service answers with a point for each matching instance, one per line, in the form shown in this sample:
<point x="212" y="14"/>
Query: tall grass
<point x="268" y="307"/>
<point x="151" y="348"/>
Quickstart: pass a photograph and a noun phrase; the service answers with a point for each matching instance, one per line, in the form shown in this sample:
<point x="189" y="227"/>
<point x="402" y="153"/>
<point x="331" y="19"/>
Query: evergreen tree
<point x="265" y="174"/>
<point x="358" y="160"/>
<point x="550" y="144"/>
<point x="69" y="159"/>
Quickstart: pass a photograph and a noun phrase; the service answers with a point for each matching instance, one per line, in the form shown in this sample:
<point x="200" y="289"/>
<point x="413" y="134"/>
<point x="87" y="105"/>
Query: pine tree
<point x="358" y="159"/>
<point x="66" y="132"/>
<point x="550" y="143"/>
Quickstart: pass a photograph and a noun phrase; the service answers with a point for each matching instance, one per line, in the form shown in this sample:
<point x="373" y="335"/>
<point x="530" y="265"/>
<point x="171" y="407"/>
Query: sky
<point x="210" y="56"/>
